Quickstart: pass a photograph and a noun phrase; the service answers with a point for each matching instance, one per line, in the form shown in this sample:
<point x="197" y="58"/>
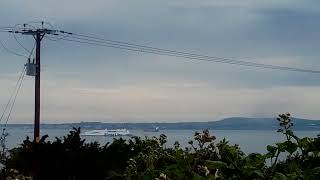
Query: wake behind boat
<point x="107" y="132"/>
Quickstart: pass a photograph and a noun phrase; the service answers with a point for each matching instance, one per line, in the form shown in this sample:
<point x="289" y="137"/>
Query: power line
<point x="12" y="30"/>
<point x="17" y="28"/>
<point x="31" y="52"/>
<point x="28" y="51"/>
<point x="56" y="35"/>
<point x="57" y="38"/>
<point x="11" y="52"/>
<point x="3" y="30"/>
<point x="215" y="59"/>
<point x="167" y="52"/>
<point x="14" y="100"/>
<point x="7" y="27"/>
<point x="13" y="92"/>
<point x="141" y="48"/>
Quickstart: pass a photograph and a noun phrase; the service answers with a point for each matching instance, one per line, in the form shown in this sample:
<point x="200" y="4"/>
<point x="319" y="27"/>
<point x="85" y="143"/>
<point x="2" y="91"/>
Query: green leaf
<point x="279" y="176"/>
<point x="215" y="164"/>
<point x="304" y="142"/>
<point x="312" y="174"/>
<point x="281" y="147"/>
<point x="272" y="150"/>
<point x="196" y="176"/>
<point x="290" y="147"/>
<point x="259" y="173"/>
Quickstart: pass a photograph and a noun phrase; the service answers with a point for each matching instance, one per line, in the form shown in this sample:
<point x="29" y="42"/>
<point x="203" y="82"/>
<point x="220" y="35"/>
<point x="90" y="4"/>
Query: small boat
<point x="107" y="132"/>
<point x="156" y="129"/>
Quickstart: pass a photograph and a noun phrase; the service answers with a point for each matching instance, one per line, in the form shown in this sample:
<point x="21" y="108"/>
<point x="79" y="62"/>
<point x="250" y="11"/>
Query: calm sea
<point x="249" y="140"/>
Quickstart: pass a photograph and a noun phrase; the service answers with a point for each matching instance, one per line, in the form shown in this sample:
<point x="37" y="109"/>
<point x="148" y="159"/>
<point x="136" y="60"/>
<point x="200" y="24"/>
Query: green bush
<point x="71" y="158"/>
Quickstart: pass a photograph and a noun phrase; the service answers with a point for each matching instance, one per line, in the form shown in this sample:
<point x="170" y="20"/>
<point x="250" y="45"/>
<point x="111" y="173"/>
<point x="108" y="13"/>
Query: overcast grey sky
<point x="87" y="83"/>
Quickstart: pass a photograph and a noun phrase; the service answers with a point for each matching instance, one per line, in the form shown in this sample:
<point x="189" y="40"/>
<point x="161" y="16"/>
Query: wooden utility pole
<point x="34" y="69"/>
<point x="38" y="38"/>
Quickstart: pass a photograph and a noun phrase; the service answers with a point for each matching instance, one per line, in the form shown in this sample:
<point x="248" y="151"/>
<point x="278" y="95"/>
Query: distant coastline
<point x="234" y="123"/>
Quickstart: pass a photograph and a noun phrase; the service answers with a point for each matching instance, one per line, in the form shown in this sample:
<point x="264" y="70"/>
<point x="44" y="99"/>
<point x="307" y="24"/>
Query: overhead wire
<point x="7" y="27"/>
<point x="19" y="43"/>
<point x="56" y="38"/>
<point x="32" y="50"/>
<point x="184" y="56"/>
<point x="148" y="49"/>
<point x="13" y="92"/>
<point x="11" y="29"/>
<point x="17" y="28"/>
<point x="11" y="52"/>
<point x="14" y="101"/>
<point x="57" y="35"/>
<point x="225" y="60"/>
<point x="14" y="36"/>
<point x="194" y="56"/>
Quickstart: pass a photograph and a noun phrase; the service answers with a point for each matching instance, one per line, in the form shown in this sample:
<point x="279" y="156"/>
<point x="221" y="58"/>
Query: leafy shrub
<point x="72" y="158"/>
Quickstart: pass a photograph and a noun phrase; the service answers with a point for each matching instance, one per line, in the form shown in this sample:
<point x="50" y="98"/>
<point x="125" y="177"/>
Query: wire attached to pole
<point x="14" y="100"/>
<point x="17" y="86"/>
<point x="11" y="52"/>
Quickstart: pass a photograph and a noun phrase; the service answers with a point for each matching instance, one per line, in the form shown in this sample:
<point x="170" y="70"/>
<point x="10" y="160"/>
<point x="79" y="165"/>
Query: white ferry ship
<point x="107" y="132"/>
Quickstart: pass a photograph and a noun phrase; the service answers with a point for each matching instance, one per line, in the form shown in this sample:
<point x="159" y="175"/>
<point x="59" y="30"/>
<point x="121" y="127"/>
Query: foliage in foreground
<point x="72" y="158"/>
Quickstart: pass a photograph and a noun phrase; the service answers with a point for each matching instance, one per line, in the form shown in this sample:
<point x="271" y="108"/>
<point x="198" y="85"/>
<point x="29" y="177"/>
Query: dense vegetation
<point x="71" y="158"/>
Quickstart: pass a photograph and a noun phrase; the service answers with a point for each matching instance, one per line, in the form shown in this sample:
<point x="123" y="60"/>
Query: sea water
<point x="250" y="141"/>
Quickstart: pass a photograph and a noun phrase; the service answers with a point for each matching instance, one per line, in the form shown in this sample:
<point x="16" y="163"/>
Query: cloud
<point x="175" y="101"/>
<point x="95" y="83"/>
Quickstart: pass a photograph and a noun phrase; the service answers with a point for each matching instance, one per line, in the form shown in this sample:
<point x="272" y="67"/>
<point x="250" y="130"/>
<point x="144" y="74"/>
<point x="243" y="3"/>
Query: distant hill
<point x="234" y="123"/>
<point x="262" y="124"/>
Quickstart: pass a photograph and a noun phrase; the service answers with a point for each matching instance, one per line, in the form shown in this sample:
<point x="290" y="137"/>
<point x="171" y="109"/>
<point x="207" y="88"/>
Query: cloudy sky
<point x="88" y="83"/>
